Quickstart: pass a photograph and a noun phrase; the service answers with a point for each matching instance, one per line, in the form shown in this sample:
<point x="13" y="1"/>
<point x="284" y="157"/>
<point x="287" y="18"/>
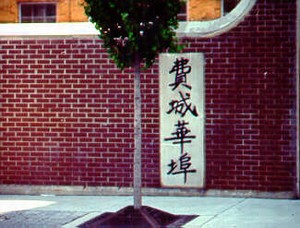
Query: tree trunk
<point x="137" y="175"/>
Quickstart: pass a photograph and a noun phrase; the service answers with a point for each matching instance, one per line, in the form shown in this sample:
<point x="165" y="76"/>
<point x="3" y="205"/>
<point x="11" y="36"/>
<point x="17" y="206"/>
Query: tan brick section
<point x="8" y="11"/>
<point x="199" y="10"/>
<point x="67" y="10"/>
<point x="72" y="10"/>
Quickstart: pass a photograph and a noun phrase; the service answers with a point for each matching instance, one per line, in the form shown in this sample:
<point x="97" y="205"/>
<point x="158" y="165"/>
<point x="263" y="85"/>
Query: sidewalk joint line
<point x="223" y="211"/>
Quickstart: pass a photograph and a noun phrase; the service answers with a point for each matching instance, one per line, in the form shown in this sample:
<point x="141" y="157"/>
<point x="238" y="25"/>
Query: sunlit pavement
<point x="70" y="211"/>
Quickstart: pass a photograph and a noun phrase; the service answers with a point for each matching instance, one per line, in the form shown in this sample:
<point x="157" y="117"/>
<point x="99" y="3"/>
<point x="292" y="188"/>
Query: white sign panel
<point x="182" y="160"/>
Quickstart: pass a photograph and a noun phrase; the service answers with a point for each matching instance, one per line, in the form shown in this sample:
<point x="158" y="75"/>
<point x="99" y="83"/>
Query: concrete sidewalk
<point x="70" y="211"/>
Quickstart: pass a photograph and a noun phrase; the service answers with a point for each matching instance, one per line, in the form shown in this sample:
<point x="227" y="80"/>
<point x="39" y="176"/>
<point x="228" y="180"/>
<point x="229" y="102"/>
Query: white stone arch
<point x="218" y="26"/>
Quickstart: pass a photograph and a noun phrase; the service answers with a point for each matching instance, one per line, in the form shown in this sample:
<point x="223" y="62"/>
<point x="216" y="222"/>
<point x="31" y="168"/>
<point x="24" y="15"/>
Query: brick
<point x="76" y="110"/>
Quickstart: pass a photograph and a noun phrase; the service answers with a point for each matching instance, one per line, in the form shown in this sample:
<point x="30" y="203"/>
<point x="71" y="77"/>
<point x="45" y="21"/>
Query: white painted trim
<point x="218" y="26"/>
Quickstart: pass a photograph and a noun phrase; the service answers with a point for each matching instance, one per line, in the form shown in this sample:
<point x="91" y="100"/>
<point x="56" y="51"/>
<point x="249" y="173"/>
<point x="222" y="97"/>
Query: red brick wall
<point x="67" y="112"/>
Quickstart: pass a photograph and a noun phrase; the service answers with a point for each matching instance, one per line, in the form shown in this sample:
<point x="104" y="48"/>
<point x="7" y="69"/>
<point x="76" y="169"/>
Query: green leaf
<point x="148" y="26"/>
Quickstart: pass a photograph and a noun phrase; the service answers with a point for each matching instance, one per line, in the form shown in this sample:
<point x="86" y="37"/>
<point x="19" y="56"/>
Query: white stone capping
<point x="47" y="29"/>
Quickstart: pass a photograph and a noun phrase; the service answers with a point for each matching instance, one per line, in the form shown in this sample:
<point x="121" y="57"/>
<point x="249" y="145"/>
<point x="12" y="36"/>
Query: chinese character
<point x="181" y="106"/>
<point x="181" y="71"/>
<point x="181" y="135"/>
<point x="184" y="165"/>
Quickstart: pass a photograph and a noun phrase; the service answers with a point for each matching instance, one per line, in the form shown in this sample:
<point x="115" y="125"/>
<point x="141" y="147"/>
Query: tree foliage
<point x="134" y="29"/>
